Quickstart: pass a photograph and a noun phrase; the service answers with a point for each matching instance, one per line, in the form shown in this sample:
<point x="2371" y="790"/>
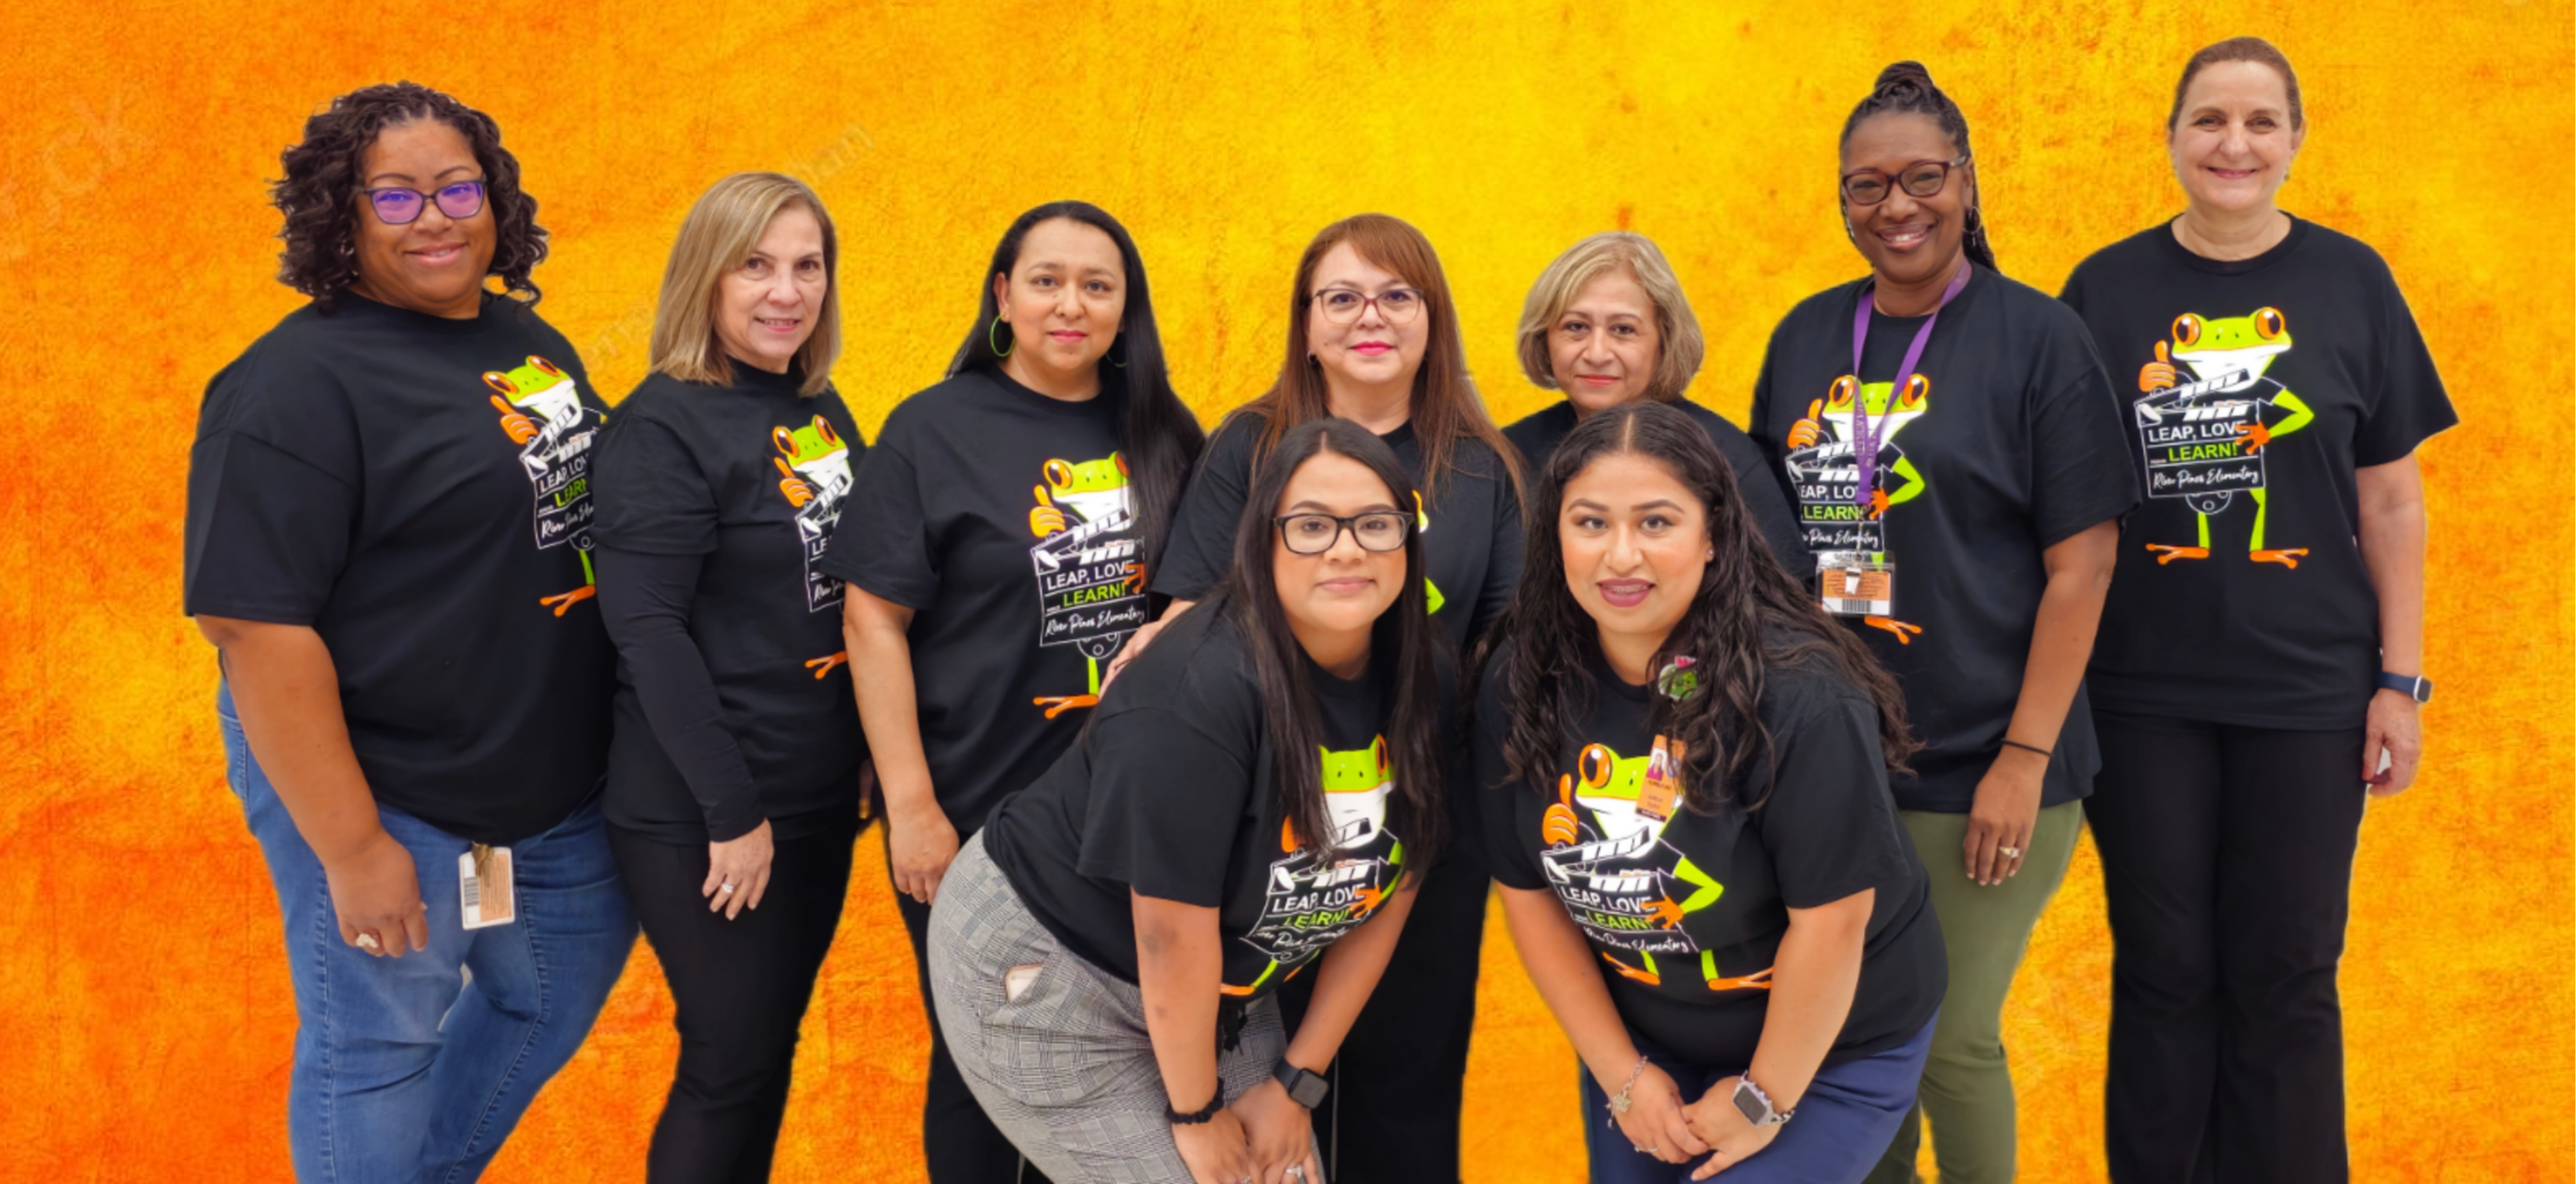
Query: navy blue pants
<point x="1843" y="1124"/>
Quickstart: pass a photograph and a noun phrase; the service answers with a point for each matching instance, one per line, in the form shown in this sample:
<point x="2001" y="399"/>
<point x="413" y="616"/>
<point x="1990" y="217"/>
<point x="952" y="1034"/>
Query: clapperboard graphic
<point x="1312" y="901"/>
<point x="1829" y="501"/>
<point x="2194" y="444"/>
<point x="1088" y="595"/>
<point x="1612" y="894"/>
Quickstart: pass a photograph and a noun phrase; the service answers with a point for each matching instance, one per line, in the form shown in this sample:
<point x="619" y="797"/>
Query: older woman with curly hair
<point x="388" y="542"/>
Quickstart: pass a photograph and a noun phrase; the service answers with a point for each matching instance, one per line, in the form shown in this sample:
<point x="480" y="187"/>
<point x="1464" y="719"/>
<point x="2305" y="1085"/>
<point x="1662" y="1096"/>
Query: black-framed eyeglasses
<point x="1923" y="178"/>
<point x="1314" y="534"/>
<point x="396" y="205"/>
<point x="1342" y="306"/>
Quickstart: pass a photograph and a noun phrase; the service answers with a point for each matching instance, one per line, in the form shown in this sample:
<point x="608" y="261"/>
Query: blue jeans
<point x="415" y="1068"/>
<point x="1842" y="1126"/>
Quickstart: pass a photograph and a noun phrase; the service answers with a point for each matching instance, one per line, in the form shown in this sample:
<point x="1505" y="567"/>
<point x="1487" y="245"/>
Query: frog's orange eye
<point x="1915" y="392"/>
<point x="2186" y="330"/>
<point x="501" y="382"/>
<point x="1844" y="389"/>
<point x="1059" y="474"/>
<point x="1379" y="750"/>
<point x="1595" y="765"/>
<point x="1121" y="458"/>
<point x="545" y="366"/>
<point x="823" y="428"/>
<point x="2268" y="324"/>
<point x="785" y="440"/>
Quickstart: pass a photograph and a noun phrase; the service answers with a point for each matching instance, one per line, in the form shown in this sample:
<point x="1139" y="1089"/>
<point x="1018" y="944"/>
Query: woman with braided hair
<point x="1953" y="449"/>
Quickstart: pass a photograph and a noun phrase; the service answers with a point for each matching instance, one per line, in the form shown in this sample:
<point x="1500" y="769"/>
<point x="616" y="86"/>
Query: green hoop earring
<point x="993" y="338"/>
<point x="1112" y="356"/>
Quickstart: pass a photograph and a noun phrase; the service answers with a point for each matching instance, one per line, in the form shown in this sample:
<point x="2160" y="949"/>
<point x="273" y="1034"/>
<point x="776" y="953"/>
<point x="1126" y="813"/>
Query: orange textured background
<point x="145" y="1017"/>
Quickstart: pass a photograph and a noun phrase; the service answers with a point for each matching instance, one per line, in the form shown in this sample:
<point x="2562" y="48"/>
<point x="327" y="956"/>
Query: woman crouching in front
<point x="1253" y="788"/>
<point x="1684" y="768"/>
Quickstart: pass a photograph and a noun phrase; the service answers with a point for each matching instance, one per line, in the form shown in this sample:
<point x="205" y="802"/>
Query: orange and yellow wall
<point x="145" y="1019"/>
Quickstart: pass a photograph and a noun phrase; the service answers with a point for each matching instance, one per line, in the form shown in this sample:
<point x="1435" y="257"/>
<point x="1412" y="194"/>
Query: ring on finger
<point x="2009" y="852"/>
<point x="368" y="940"/>
<point x="721" y="889"/>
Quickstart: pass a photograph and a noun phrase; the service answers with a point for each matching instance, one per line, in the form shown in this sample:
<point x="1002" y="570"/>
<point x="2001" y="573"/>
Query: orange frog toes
<point x="2166" y="553"/>
<point x="2288" y="558"/>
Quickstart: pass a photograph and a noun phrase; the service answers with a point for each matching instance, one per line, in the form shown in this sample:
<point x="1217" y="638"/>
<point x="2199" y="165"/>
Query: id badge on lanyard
<point x="1863" y="583"/>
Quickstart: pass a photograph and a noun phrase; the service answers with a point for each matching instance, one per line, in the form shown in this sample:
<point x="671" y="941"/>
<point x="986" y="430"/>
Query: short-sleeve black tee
<point x="1686" y="912"/>
<point x="750" y="478"/>
<point x="2252" y="390"/>
<point x="417" y="490"/>
<point x="1471" y="525"/>
<point x="1173" y="794"/>
<point x="2008" y="446"/>
<point x="1538" y="434"/>
<point x="1004" y="520"/>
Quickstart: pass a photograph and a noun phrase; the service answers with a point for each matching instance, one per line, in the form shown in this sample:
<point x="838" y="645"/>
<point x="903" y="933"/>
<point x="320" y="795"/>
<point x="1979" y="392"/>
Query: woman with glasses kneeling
<point x="1684" y="766"/>
<point x="1254" y="788"/>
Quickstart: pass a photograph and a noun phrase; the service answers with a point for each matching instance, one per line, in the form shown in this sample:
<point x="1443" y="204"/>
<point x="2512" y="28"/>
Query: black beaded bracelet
<point x="1198" y="1116"/>
<point x="2009" y="742"/>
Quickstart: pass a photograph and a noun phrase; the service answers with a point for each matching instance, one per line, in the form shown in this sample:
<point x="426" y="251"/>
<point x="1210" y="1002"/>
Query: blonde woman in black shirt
<point x="733" y="774"/>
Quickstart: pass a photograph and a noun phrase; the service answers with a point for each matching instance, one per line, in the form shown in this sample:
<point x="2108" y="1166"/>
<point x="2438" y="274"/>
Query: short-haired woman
<point x="2261" y="659"/>
<point x="1257" y="797"/>
<point x="1683" y="766"/>
<point x="1373" y="338"/>
<point x="733" y="771"/>
<point x="1607" y="324"/>
<point x="1011" y="514"/>
<point x="1954" y="450"/>
<point x="387" y="539"/>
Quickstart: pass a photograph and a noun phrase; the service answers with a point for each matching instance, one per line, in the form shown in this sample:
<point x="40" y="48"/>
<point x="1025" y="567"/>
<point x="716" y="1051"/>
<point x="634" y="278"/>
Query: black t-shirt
<point x="1004" y="520"/>
<point x="1471" y="527"/>
<point x="748" y="479"/>
<point x="417" y="490"/>
<point x="1686" y="913"/>
<point x="2012" y="446"/>
<point x="1538" y="434"/>
<point x="1173" y="794"/>
<point x="2241" y="594"/>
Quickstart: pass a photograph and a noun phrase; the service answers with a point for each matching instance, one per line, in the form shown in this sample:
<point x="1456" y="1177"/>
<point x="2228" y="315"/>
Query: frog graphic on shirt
<point x="1629" y="891"/>
<point x="814" y="475"/>
<point x="542" y="412"/>
<point x="1314" y="899"/>
<point x="1091" y="580"/>
<point x="2204" y="439"/>
<point x="1832" y="514"/>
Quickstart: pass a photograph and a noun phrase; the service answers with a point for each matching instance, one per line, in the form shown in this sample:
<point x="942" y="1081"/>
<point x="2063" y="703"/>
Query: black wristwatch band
<point x="2417" y="688"/>
<point x="1200" y="1115"/>
<point x="1304" y="1087"/>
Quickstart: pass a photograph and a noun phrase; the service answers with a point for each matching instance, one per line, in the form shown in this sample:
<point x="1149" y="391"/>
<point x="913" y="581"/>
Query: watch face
<point x="1309" y="1089"/>
<point x="1752" y="1107"/>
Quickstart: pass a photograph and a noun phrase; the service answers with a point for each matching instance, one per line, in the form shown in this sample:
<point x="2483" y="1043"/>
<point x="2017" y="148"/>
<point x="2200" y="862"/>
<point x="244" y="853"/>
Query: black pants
<point x="1392" y="1117"/>
<point x="959" y="1143"/>
<point x="2227" y="862"/>
<point x="740" y="988"/>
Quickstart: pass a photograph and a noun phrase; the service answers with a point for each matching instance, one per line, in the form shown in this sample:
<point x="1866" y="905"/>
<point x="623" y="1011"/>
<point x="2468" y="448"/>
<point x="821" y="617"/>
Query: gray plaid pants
<point x="1066" y="1070"/>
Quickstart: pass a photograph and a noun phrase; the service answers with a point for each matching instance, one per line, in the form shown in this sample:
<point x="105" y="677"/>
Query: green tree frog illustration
<point x="1835" y="518"/>
<point x="1616" y="877"/>
<point x="814" y="476"/>
<point x="542" y="413"/>
<point x="1313" y="899"/>
<point x="2204" y="439"/>
<point x="1091" y="582"/>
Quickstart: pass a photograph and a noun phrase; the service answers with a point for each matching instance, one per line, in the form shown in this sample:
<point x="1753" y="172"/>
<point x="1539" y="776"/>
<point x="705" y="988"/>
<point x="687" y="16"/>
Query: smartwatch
<point x="1755" y="1105"/>
<point x="1304" y="1088"/>
<point x="2417" y="688"/>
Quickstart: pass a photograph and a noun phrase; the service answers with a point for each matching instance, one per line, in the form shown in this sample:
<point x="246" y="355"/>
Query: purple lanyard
<point x="1865" y="435"/>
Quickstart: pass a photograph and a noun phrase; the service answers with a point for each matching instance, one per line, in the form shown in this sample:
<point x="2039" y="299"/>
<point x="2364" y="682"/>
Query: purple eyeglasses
<point x="398" y="206"/>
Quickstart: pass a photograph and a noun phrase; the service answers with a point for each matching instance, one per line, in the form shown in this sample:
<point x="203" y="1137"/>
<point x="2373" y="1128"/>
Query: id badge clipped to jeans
<point x="1856" y="583"/>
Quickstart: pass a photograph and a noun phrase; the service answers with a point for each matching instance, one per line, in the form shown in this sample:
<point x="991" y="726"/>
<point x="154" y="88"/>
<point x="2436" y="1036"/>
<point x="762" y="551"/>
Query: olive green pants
<point x="1967" y="1088"/>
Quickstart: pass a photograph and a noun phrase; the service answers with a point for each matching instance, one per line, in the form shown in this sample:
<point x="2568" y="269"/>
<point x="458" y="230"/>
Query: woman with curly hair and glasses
<point x="388" y="542"/>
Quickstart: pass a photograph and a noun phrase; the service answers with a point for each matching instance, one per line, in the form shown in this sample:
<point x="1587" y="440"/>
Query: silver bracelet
<point x="1619" y="1102"/>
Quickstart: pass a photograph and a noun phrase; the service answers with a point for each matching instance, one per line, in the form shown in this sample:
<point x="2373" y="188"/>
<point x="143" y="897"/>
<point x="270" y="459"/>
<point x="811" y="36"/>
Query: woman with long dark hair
<point x="1951" y="444"/>
<point x="996" y="554"/>
<point x="2262" y="660"/>
<point x="1683" y="767"/>
<point x="1373" y="338"/>
<point x="1256" y="798"/>
<point x="388" y="541"/>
